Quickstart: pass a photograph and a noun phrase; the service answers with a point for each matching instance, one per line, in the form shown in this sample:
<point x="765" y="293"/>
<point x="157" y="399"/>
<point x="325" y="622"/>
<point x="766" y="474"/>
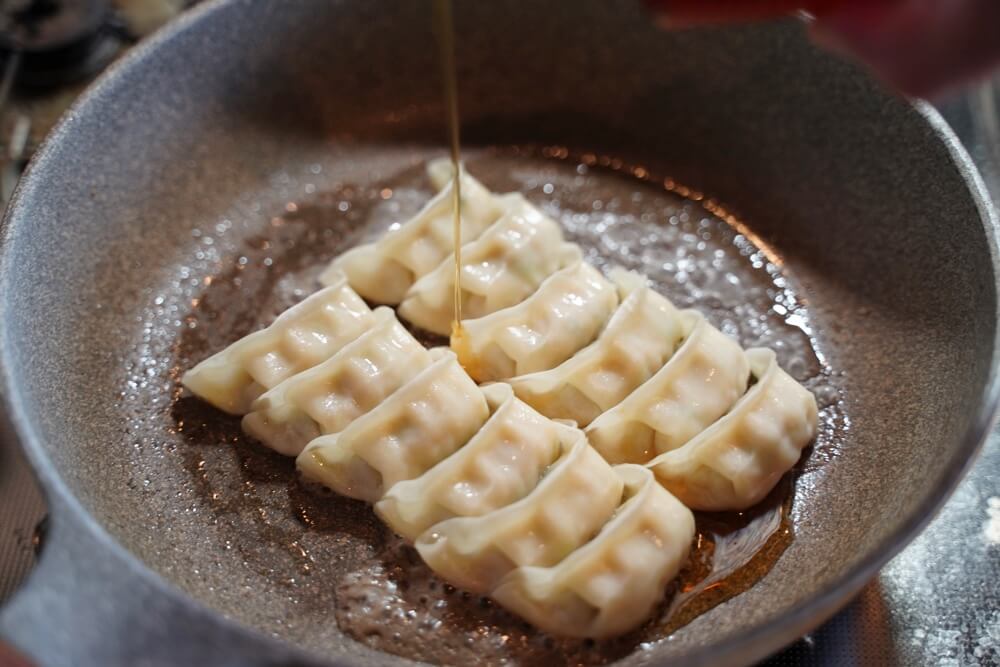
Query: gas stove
<point x="50" y="50"/>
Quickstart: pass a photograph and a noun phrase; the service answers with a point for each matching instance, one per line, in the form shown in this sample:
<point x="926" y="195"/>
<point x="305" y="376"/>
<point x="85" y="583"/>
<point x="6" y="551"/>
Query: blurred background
<point x="938" y="603"/>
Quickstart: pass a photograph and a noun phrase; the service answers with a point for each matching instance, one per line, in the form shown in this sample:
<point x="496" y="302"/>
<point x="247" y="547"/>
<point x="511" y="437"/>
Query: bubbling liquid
<point x="308" y="552"/>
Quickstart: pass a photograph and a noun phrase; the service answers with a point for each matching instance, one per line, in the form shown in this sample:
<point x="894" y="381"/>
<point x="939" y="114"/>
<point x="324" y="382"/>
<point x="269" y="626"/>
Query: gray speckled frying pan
<point x="154" y="554"/>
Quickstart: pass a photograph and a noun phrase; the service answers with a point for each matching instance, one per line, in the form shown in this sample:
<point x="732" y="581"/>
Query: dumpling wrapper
<point x="611" y="584"/>
<point x="566" y="313"/>
<point x="383" y="271"/>
<point x="736" y="462"/>
<point x="643" y="333"/>
<point x="329" y="396"/>
<point x="700" y="382"/>
<point x="499" y="269"/>
<point x="570" y="504"/>
<point x="301" y="337"/>
<point x="501" y="464"/>
<point x="420" y="424"/>
<point x="439" y="172"/>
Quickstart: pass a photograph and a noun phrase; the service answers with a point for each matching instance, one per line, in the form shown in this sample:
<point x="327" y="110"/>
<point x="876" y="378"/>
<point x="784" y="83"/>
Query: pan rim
<point x="742" y="648"/>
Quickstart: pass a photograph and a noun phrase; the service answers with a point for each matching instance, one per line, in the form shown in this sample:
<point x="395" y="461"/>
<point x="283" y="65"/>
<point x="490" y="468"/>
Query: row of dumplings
<point x="497" y="498"/>
<point x="556" y="523"/>
<point x="650" y="384"/>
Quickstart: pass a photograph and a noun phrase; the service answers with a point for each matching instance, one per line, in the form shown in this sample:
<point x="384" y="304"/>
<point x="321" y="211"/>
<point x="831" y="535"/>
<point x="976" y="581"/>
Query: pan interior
<point x="377" y="588"/>
<point x="143" y="237"/>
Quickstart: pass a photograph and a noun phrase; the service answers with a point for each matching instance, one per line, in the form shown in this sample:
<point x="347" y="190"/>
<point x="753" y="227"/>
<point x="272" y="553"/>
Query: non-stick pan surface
<point x="189" y="194"/>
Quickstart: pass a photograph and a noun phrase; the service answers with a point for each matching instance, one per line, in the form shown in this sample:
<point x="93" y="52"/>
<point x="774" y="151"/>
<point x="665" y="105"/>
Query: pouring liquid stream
<point x="446" y="45"/>
<point x="732" y="552"/>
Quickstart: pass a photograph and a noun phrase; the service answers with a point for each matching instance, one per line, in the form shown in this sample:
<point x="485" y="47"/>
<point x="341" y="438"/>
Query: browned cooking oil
<point x="312" y="557"/>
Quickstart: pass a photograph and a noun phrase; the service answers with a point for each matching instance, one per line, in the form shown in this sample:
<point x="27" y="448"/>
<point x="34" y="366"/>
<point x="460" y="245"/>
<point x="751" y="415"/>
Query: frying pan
<point x="170" y="544"/>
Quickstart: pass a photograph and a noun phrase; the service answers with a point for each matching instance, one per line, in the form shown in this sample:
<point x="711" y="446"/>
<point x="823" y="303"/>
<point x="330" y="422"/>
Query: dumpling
<point x="699" y="384"/>
<point x="574" y="499"/>
<point x="423" y="422"/>
<point x="499" y="269"/>
<point x="328" y="397"/>
<point x="611" y="584"/>
<point x="383" y="271"/>
<point x="643" y="333"/>
<point x="301" y="337"/>
<point x="566" y="313"/>
<point x="738" y="460"/>
<point x="439" y="172"/>
<point x="501" y="464"/>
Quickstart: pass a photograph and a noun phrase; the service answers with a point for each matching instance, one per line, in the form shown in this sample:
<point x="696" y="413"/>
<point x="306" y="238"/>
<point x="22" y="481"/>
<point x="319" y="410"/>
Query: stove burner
<point x="34" y="26"/>
<point x="56" y="42"/>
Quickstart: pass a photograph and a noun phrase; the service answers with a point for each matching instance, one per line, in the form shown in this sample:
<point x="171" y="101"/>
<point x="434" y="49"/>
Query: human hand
<point x="922" y="47"/>
<point x="11" y="658"/>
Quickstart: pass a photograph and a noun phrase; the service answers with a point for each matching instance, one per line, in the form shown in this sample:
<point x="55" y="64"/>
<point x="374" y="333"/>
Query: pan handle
<point x="88" y="603"/>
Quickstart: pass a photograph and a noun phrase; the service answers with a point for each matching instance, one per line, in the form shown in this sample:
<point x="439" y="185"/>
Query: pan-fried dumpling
<point x="301" y="337"/>
<point x="439" y="172"/>
<point x="423" y="422"/>
<point x="643" y="333"/>
<point x="611" y="584"/>
<point x="499" y="269"/>
<point x="328" y="397"/>
<point x="698" y="385"/>
<point x="383" y="271"/>
<point x="737" y="461"/>
<point x="574" y="499"/>
<point x="566" y="313"/>
<point x="501" y="464"/>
